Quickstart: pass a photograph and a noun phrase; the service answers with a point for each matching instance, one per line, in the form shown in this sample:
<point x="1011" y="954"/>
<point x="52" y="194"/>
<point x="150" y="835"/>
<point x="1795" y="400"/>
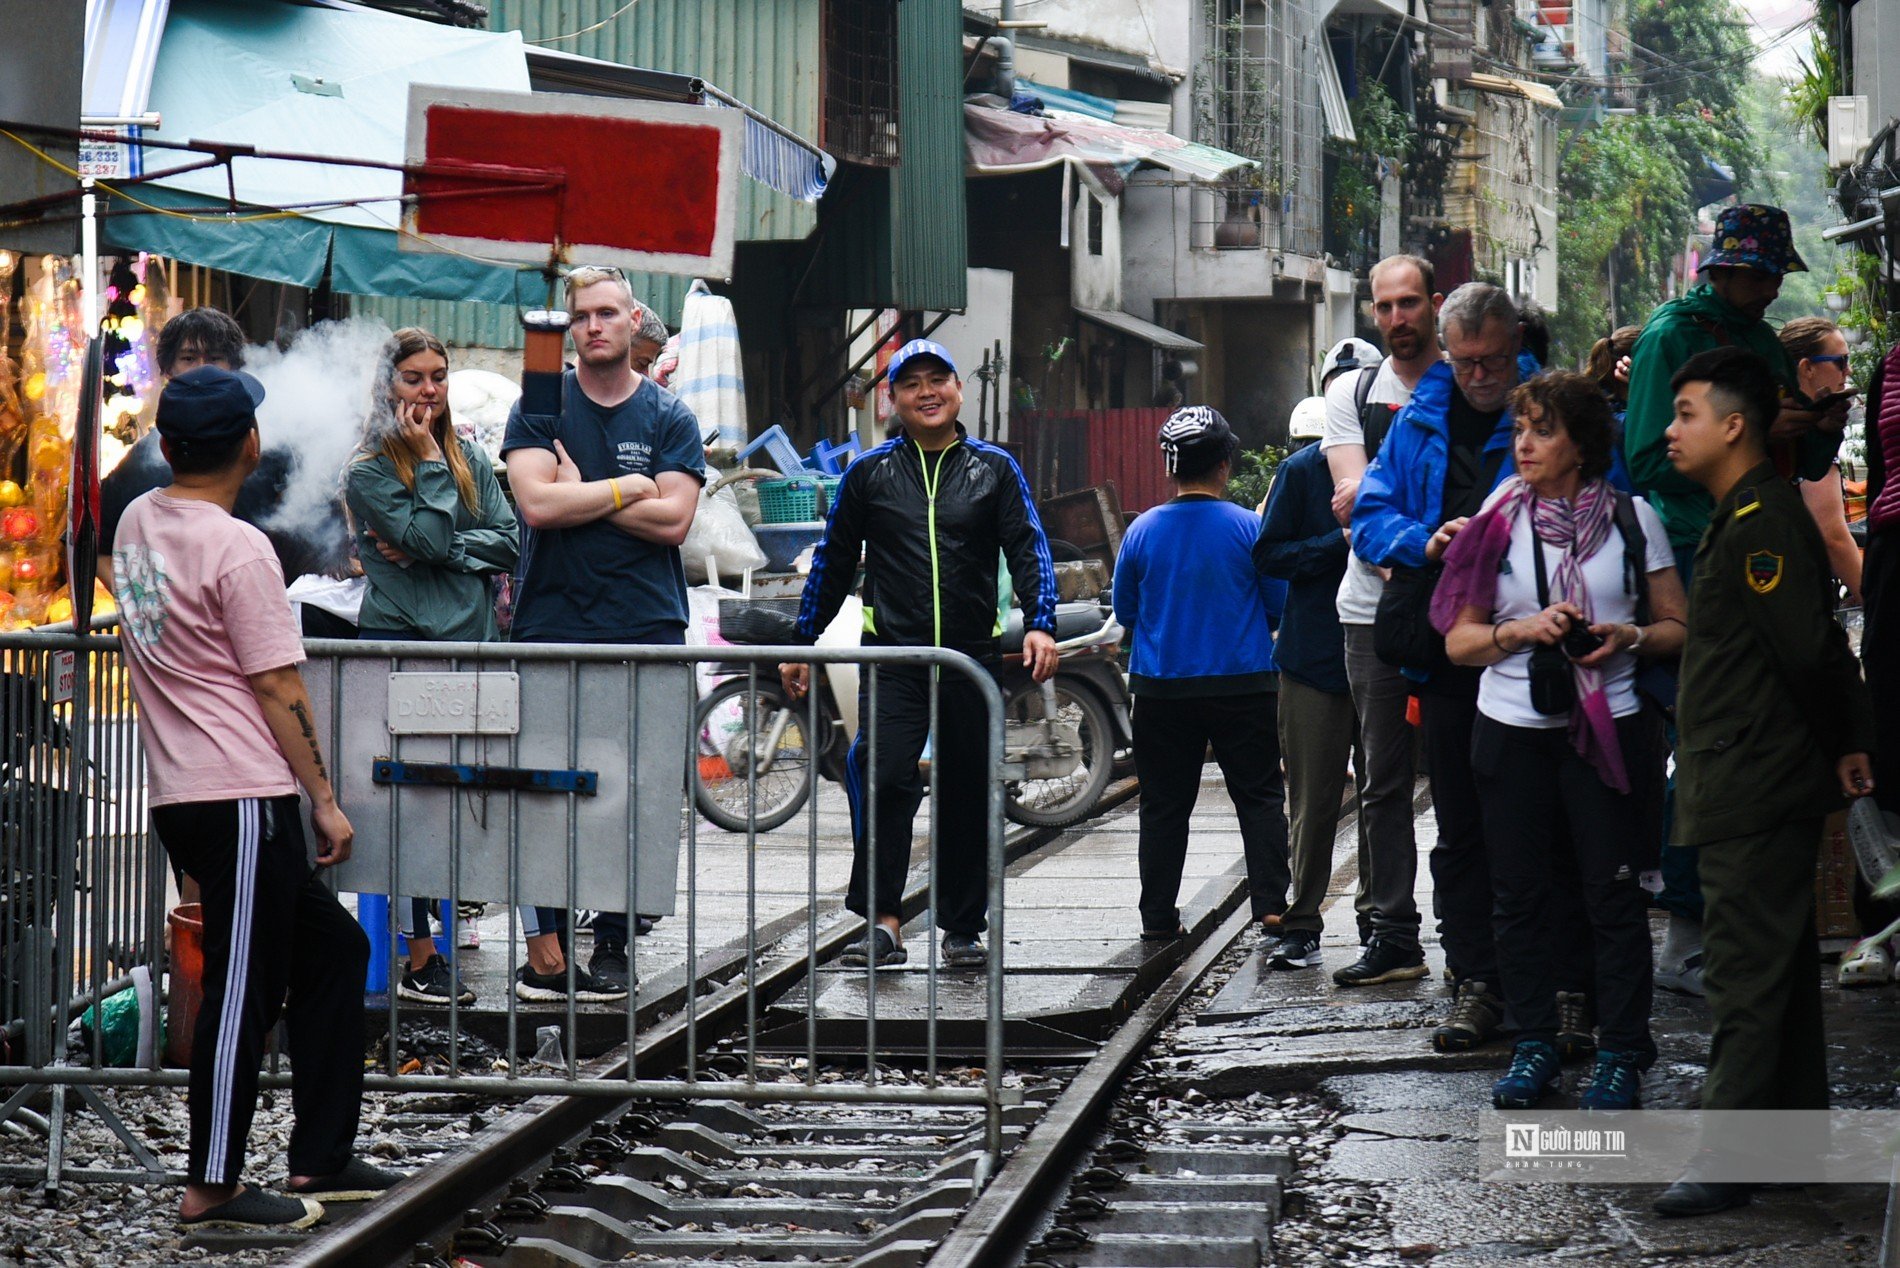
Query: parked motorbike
<point x="754" y="742"/>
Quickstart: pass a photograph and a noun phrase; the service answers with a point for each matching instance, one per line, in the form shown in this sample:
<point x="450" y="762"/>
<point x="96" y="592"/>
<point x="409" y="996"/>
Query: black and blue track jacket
<point x="931" y="538"/>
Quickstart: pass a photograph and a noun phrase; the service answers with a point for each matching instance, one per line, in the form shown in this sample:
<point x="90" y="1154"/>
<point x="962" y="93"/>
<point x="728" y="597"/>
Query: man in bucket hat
<point x="1752" y="250"/>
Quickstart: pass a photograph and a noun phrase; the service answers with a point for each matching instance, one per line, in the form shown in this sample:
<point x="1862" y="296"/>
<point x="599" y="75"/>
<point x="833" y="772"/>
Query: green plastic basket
<point x="796" y="501"/>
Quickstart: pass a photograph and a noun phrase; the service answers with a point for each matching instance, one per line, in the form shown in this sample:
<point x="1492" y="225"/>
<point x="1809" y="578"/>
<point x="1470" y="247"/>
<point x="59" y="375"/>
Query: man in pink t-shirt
<point x="228" y="737"/>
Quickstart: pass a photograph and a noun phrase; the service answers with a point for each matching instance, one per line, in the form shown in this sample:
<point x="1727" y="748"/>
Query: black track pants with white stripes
<point x="271" y="931"/>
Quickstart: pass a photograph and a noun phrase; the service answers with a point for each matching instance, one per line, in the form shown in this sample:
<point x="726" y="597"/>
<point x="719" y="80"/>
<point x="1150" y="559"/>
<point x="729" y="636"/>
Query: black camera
<point x="1580" y="642"/>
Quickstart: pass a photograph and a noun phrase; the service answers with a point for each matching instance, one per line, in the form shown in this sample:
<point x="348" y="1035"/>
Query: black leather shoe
<point x="1699" y="1197"/>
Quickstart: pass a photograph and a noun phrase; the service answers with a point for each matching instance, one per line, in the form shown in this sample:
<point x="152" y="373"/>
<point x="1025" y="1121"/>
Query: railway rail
<point x="575" y="1179"/>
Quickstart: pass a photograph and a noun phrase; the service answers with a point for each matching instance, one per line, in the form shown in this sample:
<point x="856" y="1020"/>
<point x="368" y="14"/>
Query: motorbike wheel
<point x="727" y="743"/>
<point x="1057" y="803"/>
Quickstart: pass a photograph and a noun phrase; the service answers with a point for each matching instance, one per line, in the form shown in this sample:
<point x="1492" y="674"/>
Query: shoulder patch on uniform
<point x="1764" y="571"/>
<point x="1747" y="504"/>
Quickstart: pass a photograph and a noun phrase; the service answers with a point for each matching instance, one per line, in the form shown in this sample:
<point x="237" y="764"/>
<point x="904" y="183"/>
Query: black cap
<point x="209" y="405"/>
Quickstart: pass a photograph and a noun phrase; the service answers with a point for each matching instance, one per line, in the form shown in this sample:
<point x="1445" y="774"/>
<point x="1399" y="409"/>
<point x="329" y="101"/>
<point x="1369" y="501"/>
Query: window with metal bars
<point x="861" y="81"/>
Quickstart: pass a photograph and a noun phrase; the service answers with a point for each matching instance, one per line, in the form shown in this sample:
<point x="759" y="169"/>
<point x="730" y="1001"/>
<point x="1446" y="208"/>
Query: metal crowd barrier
<point x="550" y="775"/>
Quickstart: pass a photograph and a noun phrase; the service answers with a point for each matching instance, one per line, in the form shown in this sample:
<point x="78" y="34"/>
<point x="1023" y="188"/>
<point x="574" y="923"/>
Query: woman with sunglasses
<point x="1819" y="352"/>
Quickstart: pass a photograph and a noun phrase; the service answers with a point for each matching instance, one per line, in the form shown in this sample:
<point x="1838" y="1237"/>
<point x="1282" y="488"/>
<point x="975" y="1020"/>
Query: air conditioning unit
<point x="1847" y="130"/>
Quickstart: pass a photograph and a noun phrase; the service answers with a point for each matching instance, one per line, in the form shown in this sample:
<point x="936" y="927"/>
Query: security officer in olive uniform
<point x="1776" y="726"/>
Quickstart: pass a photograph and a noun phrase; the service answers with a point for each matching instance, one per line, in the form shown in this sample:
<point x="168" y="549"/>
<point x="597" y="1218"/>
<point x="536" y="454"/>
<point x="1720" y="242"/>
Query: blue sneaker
<point x="1616" y="1083"/>
<point x="1534" y="1068"/>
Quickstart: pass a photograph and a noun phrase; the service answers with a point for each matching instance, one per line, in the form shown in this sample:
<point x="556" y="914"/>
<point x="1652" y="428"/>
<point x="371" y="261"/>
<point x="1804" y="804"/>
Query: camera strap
<point x="1537" y="554"/>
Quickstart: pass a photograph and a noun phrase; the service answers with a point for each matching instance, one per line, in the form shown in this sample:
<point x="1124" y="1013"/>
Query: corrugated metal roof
<point x="930" y="255"/>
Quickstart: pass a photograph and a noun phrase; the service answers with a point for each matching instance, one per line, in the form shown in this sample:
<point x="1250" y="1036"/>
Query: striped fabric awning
<point x="777" y="157"/>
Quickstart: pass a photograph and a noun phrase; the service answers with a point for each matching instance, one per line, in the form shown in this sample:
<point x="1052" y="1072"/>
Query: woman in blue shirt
<point x="1200" y="624"/>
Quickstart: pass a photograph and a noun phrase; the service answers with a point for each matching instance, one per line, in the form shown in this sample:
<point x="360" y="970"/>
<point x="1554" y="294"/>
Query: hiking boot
<point x="1616" y="1084"/>
<point x="255" y="1209"/>
<point x="434" y="983"/>
<point x="359" y="1181"/>
<point x="878" y="947"/>
<point x="1473" y="1021"/>
<point x="550" y="987"/>
<point x="610" y="965"/>
<point x="1533" y="1072"/>
<point x="1299" y="949"/>
<point x="1688" y="1197"/>
<point x="1576" y="1026"/>
<point x="964" y="951"/>
<point x="1382" y="961"/>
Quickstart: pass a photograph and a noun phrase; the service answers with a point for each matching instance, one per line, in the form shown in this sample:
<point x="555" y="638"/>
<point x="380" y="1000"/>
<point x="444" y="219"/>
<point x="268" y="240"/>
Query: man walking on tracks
<point x="931" y="509"/>
<point x="607" y="490"/>
<point x="1775" y="729"/>
<point x="228" y="738"/>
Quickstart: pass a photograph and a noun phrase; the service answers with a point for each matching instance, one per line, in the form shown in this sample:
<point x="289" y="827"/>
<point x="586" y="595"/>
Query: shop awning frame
<point x="1146" y="331"/>
<point x="1535" y="93"/>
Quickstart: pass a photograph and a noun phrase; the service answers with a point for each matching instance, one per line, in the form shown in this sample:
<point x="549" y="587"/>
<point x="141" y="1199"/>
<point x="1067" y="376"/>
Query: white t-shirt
<point x="1359" y="589"/>
<point x="1504" y="693"/>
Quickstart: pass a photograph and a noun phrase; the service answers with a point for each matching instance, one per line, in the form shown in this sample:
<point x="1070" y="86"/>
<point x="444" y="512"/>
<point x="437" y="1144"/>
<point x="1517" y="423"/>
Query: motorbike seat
<point x="758" y="626"/>
<point x="1072" y="621"/>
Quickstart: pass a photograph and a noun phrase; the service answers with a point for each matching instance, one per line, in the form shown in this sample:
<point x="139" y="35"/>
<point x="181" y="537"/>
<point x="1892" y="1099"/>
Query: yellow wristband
<point x="618" y="500"/>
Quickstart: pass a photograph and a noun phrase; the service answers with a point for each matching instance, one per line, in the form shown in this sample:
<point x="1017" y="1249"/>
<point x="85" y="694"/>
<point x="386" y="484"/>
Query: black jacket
<point x="930" y="562"/>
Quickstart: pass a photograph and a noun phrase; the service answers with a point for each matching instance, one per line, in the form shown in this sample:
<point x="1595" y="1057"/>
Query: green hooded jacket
<point x="1675" y="332"/>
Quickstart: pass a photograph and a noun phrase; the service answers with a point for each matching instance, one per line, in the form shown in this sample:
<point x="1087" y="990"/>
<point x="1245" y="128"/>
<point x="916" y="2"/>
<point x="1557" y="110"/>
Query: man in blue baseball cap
<point x="229" y="737"/>
<point x="931" y="509"/>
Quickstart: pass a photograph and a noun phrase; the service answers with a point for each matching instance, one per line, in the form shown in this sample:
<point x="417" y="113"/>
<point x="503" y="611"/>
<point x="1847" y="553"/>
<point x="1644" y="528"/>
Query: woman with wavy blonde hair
<point x="432" y="529"/>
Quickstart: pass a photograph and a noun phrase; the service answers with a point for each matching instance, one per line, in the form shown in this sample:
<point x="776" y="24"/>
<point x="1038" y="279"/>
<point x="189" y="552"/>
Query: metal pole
<point x="89" y="258"/>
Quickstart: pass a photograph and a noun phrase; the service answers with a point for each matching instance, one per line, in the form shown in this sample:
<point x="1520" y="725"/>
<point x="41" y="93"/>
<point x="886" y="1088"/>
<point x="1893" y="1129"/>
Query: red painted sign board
<point x="645" y="186"/>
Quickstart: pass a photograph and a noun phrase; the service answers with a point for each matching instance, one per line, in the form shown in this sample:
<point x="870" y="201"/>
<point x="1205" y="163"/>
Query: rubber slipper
<point x="359" y="1181"/>
<point x="887" y="952"/>
<point x="1164" y="935"/>
<point x="256" y="1208"/>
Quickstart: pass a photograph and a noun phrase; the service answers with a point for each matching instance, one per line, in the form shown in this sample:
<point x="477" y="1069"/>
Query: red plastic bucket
<point x="185" y="992"/>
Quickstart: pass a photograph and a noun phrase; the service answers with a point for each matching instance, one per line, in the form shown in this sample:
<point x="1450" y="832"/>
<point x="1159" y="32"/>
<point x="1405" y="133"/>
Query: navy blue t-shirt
<point x="594" y="583"/>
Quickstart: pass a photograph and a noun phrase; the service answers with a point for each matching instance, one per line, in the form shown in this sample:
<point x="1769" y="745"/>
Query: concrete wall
<point x="1258" y="362"/>
<point x="1876" y="25"/>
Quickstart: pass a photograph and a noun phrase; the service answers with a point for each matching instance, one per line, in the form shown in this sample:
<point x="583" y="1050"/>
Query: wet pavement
<point x="1394" y="1178"/>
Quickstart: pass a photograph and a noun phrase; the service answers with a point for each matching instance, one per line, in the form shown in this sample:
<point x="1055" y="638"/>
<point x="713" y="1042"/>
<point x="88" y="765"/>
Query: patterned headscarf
<point x="1191" y="427"/>
<point x="1578" y="527"/>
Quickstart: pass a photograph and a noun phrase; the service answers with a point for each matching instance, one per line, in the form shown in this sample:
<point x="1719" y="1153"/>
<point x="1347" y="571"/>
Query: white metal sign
<point x="454" y="704"/>
<point x="65" y="671"/>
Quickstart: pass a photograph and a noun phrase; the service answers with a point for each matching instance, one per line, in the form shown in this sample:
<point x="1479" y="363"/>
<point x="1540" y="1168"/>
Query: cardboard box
<point x="1834" y="878"/>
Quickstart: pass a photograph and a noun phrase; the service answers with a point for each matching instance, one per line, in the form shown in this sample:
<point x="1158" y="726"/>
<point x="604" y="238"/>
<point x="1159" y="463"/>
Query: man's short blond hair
<point x="592" y="274"/>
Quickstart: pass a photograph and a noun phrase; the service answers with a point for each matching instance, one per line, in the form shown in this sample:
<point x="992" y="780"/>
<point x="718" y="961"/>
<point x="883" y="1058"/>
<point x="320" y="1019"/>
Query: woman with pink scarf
<point x="1556" y="588"/>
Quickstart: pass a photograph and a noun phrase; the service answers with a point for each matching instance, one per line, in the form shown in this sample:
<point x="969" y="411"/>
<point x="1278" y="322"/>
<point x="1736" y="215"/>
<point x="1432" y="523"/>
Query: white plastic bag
<point x="719" y="531"/>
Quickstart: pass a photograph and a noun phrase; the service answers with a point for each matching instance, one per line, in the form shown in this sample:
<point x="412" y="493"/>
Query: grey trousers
<point x="1389" y="867"/>
<point x="1319" y="734"/>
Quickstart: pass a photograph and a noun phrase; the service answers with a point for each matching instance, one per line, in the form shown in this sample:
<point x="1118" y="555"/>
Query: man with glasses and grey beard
<point x="606" y="491"/>
<point x="1447" y="449"/>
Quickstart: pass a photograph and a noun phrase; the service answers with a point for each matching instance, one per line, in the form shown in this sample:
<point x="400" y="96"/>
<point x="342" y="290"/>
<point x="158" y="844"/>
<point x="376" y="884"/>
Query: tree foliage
<point x="1627" y="197"/>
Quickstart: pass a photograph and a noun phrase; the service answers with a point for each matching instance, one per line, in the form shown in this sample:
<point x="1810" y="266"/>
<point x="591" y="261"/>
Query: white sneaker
<point x="1868" y="963"/>
<point x="468" y="934"/>
<point x="1679" y="966"/>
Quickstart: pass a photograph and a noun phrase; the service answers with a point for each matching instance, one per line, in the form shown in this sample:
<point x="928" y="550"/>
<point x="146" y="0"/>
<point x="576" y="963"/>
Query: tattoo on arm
<point x="302" y="713"/>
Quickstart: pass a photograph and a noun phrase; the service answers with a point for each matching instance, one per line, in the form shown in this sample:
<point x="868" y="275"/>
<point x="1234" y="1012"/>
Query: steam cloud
<point x="317" y="395"/>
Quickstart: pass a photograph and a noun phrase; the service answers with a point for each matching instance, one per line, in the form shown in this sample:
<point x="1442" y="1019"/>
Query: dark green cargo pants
<point x="1762" y="968"/>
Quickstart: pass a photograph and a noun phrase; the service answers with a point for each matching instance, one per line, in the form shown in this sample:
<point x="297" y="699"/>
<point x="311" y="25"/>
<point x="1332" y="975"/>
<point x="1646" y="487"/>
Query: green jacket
<point x="1675" y="332"/>
<point x="1771" y="696"/>
<point x="443" y="592"/>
